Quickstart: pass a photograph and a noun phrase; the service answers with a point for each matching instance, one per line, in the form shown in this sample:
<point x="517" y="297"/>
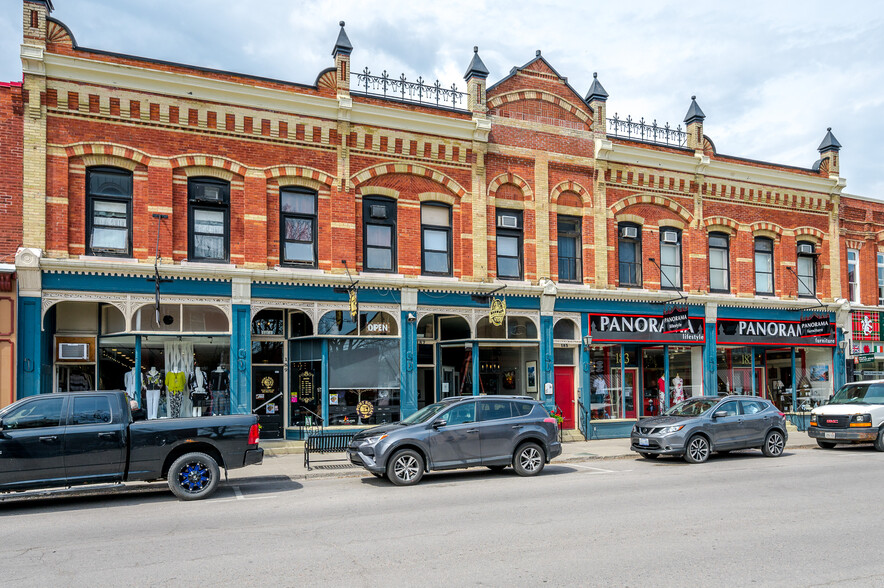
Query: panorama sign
<point x="753" y="332"/>
<point x="644" y="328"/>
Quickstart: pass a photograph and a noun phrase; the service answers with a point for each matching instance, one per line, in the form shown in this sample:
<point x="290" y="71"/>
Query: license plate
<point x="644" y="442"/>
<point x="830" y="435"/>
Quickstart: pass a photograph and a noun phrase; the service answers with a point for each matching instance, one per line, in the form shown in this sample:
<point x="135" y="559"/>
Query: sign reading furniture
<point x="753" y="332"/>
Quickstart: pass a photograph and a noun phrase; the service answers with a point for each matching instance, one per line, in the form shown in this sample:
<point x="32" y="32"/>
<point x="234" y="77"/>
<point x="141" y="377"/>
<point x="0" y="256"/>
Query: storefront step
<point x="790" y="427"/>
<point x="274" y="447"/>
<point x="572" y="435"/>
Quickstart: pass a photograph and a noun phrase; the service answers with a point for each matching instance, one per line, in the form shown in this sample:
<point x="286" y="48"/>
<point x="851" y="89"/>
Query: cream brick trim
<point x="261" y="218"/>
<point x="378" y="191"/>
<point x="110" y="160"/>
<point x="409" y="168"/>
<point x="570" y="186"/>
<point x="341" y="225"/>
<point x="160" y="209"/>
<point x="285" y="181"/>
<point x="57" y="200"/>
<point x="436" y="197"/>
<point x="508" y="178"/>
<point x="670" y="222"/>
<point x="653" y="199"/>
<point x="111" y="149"/>
<point x="520" y="95"/>
<point x="809" y="234"/>
<point x="298" y="171"/>
<point x="209" y="161"/>
<point x="630" y="218"/>
<point x="202" y="170"/>
<point x="570" y="210"/>
<point x="511" y="204"/>
<point x="765" y="229"/>
<point x="721" y="224"/>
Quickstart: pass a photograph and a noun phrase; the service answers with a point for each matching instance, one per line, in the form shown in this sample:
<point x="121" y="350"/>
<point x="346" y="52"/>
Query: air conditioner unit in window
<point x="73" y="351"/>
<point x="805" y="248"/>
<point x="507" y="222"/>
<point x="378" y="211"/>
<point x="208" y="194"/>
<point x="670" y="237"/>
<point x="629" y="232"/>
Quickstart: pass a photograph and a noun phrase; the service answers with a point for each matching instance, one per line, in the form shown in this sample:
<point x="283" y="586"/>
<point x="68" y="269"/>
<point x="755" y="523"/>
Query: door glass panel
<point x="90" y="410"/>
<point x="45" y="413"/>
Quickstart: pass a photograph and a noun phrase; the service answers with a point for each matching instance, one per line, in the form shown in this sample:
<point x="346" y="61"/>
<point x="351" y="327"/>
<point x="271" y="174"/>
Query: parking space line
<point x="596" y="470"/>
<point x="238" y="493"/>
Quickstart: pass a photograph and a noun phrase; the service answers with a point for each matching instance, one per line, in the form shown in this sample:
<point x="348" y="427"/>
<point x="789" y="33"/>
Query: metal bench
<point x="324" y="442"/>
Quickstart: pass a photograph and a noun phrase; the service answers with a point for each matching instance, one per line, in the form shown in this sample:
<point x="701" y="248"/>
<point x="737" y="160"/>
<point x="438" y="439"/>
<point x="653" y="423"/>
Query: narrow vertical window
<point x="297" y="218"/>
<point x="109" y="212"/>
<point x="806" y="269"/>
<point x="670" y="259"/>
<point x="719" y="263"/>
<point x="436" y="239"/>
<point x="853" y="274"/>
<point x="509" y="244"/>
<point x="629" y="252"/>
<point x="379" y="234"/>
<point x="881" y="279"/>
<point x="764" y="266"/>
<point x="570" y="246"/>
<point x="208" y="220"/>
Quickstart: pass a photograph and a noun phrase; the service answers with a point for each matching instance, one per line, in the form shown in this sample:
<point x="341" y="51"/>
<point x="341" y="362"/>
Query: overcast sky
<point x="770" y="76"/>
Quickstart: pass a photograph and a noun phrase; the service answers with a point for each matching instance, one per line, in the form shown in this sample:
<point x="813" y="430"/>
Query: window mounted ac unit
<point x="805" y="248"/>
<point x="670" y="237"/>
<point x="629" y="232"/>
<point x="378" y="211"/>
<point x="73" y="351"/>
<point x="208" y="194"/>
<point x="508" y="222"/>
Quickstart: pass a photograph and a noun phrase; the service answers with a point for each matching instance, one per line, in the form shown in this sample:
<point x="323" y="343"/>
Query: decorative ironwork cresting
<point x="642" y="131"/>
<point x="419" y="91"/>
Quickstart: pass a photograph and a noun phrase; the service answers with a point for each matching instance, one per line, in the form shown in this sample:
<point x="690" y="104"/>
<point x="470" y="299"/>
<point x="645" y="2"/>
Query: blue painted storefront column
<point x="241" y="359"/>
<point x="408" y="375"/>
<point x="585" y="382"/>
<point x="30" y="347"/>
<point x="546" y="362"/>
<point x="839" y="368"/>
<point x="324" y="378"/>
<point x="710" y="376"/>
<point x="666" y="379"/>
<point x="475" y="368"/>
<point x="138" y="368"/>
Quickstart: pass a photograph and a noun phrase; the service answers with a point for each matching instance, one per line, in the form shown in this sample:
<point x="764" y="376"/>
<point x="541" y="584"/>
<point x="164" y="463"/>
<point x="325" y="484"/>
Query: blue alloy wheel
<point x="195" y="476"/>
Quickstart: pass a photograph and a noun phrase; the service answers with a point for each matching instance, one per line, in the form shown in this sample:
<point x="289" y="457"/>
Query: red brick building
<point x="268" y="199"/>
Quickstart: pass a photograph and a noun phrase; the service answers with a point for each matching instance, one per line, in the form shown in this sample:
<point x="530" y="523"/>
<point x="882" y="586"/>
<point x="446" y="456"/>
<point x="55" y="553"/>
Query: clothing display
<point x="130" y="379"/>
<point x="219" y="384"/>
<point x="661" y="392"/>
<point x="677" y="389"/>
<point x="176" y="382"/>
<point x="153" y="384"/>
<point x="198" y="384"/>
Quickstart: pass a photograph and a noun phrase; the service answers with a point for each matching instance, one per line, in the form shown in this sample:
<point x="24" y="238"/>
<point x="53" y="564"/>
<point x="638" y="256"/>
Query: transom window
<point x="436" y="239"/>
<point x="670" y="259"/>
<point x="379" y="234"/>
<point x="853" y="274"/>
<point x="764" y="283"/>
<point x="208" y="220"/>
<point x="297" y="217"/>
<point x="509" y="244"/>
<point x="806" y="269"/>
<point x="629" y="251"/>
<point x="109" y="212"/>
<point x="570" y="246"/>
<point x="719" y="262"/>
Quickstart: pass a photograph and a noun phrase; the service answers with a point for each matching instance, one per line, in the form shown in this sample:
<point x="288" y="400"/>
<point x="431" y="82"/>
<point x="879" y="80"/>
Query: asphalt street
<point x="809" y="518"/>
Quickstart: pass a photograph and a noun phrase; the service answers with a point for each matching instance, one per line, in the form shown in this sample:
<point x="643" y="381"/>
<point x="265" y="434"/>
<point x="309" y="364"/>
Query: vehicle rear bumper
<point x="865" y="434"/>
<point x="253" y="457"/>
<point x="364" y="461"/>
<point x="555" y="450"/>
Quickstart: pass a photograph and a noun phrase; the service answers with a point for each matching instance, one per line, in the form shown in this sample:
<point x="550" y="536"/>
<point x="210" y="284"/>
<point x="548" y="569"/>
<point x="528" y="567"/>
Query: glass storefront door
<point x="267" y="400"/>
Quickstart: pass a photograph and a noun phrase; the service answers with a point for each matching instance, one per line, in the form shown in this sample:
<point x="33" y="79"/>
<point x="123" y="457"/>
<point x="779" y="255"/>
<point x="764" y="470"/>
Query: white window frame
<point x="853" y="287"/>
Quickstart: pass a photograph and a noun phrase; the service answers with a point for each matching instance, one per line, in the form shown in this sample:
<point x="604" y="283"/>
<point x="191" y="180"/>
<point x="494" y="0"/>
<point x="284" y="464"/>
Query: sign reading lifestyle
<point x="675" y="320"/>
<point x="815" y="325"/>
<point x="756" y="332"/>
<point x="644" y="328"/>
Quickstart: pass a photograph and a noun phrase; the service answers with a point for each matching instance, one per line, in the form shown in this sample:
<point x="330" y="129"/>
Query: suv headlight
<point x="375" y="439"/>
<point x="672" y="429"/>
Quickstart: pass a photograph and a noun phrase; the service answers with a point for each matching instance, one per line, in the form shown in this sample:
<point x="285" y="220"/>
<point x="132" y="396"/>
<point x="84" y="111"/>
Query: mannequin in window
<point x="661" y="393"/>
<point x="199" y="391"/>
<point x="677" y="389"/>
<point x="219" y="384"/>
<point x="130" y="380"/>
<point x="153" y="384"/>
<point x="176" y="382"/>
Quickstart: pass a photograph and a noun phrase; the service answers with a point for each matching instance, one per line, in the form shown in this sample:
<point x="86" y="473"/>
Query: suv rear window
<point x="524" y="408"/>
<point x="492" y="410"/>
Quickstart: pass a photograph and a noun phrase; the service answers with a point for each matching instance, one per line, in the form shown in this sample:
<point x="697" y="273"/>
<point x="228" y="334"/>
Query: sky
<point x="770" y="76"/>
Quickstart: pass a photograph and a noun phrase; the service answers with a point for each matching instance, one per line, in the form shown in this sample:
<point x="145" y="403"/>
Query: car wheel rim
<point x="530" y="459"/>
<point x="195" y="476"/>
<point x="775" y="444"/>
<point x="405" y="468"/>
<point x="699" y="449"/>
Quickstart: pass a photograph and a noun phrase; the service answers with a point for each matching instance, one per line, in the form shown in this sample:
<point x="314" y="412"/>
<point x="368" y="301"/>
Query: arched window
<point x="108" y="212"/>
<point x="208" y="220"/>
<point x="565" y="330"/>
<point x="379" y="234"/>
<point x="435" y="239"/>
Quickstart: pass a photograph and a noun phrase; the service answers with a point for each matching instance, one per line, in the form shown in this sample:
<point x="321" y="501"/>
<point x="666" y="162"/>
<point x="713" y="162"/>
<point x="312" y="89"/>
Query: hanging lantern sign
<point x="497" y="313"/>
<point x="354" y="304"/>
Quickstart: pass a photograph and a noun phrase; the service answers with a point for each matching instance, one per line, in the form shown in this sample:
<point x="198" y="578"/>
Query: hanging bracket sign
<point x="815" y="325"/>
<point x="497" y="314"/>
<point x="675" y="320"/>
<point x="354" y="303"/>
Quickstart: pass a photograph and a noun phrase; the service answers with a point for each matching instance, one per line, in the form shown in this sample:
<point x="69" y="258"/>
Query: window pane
<point x="208" y="247"/>
<point x="110" y="184"/>
<point x="716" y="241"/>
<point x="718" y="258"/>
<point x="567" y="247"/>
<point x="508" y="246"/>
<point x="718" y="279"/>
<point x="763" y="245"/>
<point x="378" y="236"/>
<point x="671" y="277"/>
<point x="435" y="215"/>
<point x="299" y="252"/>
<point x="109" y="214"/>
<point x="296" y="202"/>
<point x="209" y="222"/>
<point x="378" y="258"/>
<point x="43" y="413"/>
<point x="508" y="267"/>
<point x="669" y="255"/>
<point x="299" y="229"/>
<point x="436" y="262"/>
<point x="806" y="286"/>
<point x="763" y="283"/>
<point x="109" y="238"/>
<point x="435" y="240"/>
<point x="763" y="262"/>
<point x="627" y="251"/>
<point x="90" y="410"/>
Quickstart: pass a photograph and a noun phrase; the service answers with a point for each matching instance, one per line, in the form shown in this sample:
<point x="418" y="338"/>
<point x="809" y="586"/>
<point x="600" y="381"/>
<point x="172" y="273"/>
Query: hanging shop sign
<point x="354" y="304"/>
<point x="815" y="325"/>
<point x="864" y="358"/>
<point x="497" y="314"/>
<point x="866" y="325"/>
<point x="676" y="320"/>
<point x="752" y="332"/>
<point x="643" y="329"/>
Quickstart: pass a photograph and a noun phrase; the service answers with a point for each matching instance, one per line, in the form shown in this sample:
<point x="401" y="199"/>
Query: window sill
<point x="381" y="274"/>
<point x="207" y="264"/>
<point x="293" y="269"/>
<point x="108" y="259"/>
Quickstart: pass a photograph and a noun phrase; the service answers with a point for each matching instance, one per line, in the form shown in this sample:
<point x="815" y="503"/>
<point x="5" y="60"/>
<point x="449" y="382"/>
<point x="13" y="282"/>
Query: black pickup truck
<point x="68" y="439"/>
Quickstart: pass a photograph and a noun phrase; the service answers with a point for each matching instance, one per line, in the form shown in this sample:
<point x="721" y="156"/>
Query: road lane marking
<point x="238" y="493"/>
<point x="597" y="470"/>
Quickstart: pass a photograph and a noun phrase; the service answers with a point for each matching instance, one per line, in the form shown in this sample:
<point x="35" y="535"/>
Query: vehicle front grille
<point x="647" y="430"/>
<point x="833" y="422"/>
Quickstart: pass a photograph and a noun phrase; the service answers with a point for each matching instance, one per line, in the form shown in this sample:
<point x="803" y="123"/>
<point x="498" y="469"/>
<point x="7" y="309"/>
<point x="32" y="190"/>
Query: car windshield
<point x="691" y="407"/>
<point x="424" y="414"/>
<point x="859" y="394"/>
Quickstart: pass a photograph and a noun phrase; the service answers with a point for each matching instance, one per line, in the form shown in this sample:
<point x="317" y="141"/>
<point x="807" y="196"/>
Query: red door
<point x="564" y="376"/>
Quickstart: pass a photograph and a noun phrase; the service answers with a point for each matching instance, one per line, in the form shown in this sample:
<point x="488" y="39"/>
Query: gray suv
<point x="698" y="426"/>
<point x="460" y="432"/>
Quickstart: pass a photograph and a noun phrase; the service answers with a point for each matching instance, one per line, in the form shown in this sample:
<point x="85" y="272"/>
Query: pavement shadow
<point x="472" y="474"/>
<point x="736" y="455"/>
<point x="253" y="485"/>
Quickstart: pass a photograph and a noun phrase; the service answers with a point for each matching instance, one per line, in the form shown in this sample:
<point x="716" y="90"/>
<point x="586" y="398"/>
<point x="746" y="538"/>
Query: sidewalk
<point x="335" y="465"/>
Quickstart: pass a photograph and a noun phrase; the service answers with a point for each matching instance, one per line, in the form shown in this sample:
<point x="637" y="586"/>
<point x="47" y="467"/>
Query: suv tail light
<point x="551" y="420"/>
<point x="254" y="432"/>
<point x="782" y="414"/>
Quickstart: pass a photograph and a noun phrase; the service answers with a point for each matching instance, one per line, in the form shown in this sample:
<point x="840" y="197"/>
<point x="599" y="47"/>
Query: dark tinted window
<point x="90" y="410"/>
<point x="462" y="413"/>
<point x="41" y="413"/>
<point x="490" y="410"/>
<point x="731" y="408"/>
<point x="522" y="408"/>
<point x="752" y="406"/>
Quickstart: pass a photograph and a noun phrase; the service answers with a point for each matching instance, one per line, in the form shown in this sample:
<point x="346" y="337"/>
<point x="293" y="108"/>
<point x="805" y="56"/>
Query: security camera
<point x="411" y="317"/>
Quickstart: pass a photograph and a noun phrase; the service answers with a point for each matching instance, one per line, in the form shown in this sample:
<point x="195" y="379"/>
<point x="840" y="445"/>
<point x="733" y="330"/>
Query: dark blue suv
<point x="460" y="432"/>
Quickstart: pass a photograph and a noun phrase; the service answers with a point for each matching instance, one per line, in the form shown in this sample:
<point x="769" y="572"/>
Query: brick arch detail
<point x="765" y="226"/>
<point x="570" y="186"/>
<point x="655" y="200"/>
<point x="111" y="150"/>
<point x="383" y="169"/>
<point x="521" y="95"/>
<point x="210" y="161"/>
<point x="298" y="171"/>
<point x="721" y="221"/>
<point x="509" y="178"/>
<point x="810" y="232"/>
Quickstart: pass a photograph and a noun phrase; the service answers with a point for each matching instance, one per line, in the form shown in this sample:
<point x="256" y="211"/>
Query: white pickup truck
<point x="855" y="414"/>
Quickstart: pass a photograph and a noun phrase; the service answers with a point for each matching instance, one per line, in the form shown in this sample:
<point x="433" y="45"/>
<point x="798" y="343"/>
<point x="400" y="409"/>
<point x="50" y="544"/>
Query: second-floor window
<point x="670" y="258"/>
<point x="208" y="220"/>
<point x="297" y="218"/>
<point x="719" y="263"/>
<point x="806" y="269"/>
<point x="853" y="274"/>
<point x="436" y="239"/>
<point x="881" y="279"/>
<point x="764" y="283"/>
<point x="570" y="245"/>
<point x="108" y="212"/>
<point x="509" y="244"/>
<point x="629" y="254"/>
<point x="379" y="234"/>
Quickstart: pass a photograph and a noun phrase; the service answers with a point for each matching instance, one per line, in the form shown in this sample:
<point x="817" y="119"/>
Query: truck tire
<point x="879" y="442"/>
<point x="825" y="444"/>
<point x="193" y="476"/>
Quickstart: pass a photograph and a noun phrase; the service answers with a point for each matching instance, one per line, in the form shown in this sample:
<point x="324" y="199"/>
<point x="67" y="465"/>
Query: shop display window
<point x="813" y="377"/>
<point x="339" y="322"/>
<point x="305" y="383"/>
<point x="363" y="387"/>
<point x="735" y="370"/>
<point x="653" y="382"/>
<point x="684" y="362"/>
<point x="457" y="373"/>
<point x="778" y="377"/>
<point x="509" y="370"/>
<point x="116" y="357"/>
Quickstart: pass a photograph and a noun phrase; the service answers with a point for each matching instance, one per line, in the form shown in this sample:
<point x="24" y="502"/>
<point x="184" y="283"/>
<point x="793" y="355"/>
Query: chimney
<point x="475" y="77"/>
<point x="597" y="98"/>
<point x="694" y="121"/>
<point x="829" y="149"/>
<point x="341" y="53"/>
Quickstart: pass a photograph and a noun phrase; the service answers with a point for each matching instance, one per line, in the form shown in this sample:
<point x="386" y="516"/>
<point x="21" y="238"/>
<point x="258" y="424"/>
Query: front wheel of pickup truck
<point x="193" y="476"/>
<point x="879" y="442"/>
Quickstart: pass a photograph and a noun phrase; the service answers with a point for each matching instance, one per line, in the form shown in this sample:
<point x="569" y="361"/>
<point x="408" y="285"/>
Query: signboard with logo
<point x="864" y="358"/>
<point x="675" y="320"/>
<point x="497" y="314"/>
<point x="755" y="332"/>
<point x="815" y="325"/>
<point x="866" y="325"/>
<point x="632" y="328"/>
<point x="353" y="303"/>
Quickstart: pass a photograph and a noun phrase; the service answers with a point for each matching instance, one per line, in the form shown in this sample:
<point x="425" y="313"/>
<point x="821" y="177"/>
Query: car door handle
<point x="472" y="430"/>
<point x="518" y="426"/>
<point x="107" y="435"/>
<point x="49" y="438"/>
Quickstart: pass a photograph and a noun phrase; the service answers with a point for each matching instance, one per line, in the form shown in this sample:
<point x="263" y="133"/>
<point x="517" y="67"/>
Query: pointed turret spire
<point x="830" y="143"/>
<point x="476" y="68"/>
<point x="695" y="113"/>
<point x="596" y="90"/>
<point x="342" y="45"/>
